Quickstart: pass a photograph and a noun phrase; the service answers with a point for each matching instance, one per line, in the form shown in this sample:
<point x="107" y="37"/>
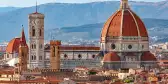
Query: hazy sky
<point x="26" y="3"/>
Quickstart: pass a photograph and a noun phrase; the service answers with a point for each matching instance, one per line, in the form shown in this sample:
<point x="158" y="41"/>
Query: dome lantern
<point x="124" y="4"/>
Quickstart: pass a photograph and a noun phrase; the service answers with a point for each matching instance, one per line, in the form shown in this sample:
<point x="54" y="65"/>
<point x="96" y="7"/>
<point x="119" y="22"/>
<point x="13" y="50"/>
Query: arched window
<point x="79" y="56"/>
<point x="7" y="55"/>
<point x="40" y="33"/>
<point x="53" y="51"/>
<point x="34" y="46"/>
<point x="34" y="57"/>
<point x="33" y="32"/>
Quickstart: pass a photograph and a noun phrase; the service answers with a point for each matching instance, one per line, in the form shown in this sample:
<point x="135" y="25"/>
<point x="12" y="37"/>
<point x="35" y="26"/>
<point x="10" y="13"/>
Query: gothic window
<point x="79" y="56"/>
<point x="34" y="57"/>
<point x="53" y="51"/>
<point x="33" y="32"/>
<point x="40" y="33"/>
<point x="34" y="46"/>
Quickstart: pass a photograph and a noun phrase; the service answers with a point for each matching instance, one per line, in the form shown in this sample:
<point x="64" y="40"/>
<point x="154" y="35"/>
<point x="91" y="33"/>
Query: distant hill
<point x="7" y="9"/>
<point x="157" y="29"/>
<point x="58" y="15"/>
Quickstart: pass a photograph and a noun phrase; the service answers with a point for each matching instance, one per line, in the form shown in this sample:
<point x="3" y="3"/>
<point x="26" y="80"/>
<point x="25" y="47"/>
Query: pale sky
<point x="27" y="3"/>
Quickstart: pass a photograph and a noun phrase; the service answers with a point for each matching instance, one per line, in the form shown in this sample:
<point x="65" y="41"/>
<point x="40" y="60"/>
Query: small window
<point x="142" y="46"/>
<point x="93" y="56"/>
<point x="53" y="51"/>
<point x="7" y="55"/>
<point x="65" y="56"/>
<point x="113" y="46"/>
<point x="40" y="33"/>
<point x="40" y="58"/>
<point x="34" y="46"/>
<point x="34" y="57"/>
<point x="33" y="32"/>
<point x="79" y="56"/>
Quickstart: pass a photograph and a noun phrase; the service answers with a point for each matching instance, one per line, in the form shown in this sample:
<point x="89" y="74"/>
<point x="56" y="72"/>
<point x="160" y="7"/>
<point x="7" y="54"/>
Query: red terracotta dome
<point x="124" y="22"/>
<point x="110" y="57"/>
<point x="147" y="56"/>
<point x="13" y="45"/>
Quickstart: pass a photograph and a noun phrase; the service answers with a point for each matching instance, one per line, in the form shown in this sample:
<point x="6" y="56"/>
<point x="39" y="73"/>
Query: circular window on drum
<point x="129" y="46"/>
<point x="65" y="56"/>
<point x="113" y="46"/>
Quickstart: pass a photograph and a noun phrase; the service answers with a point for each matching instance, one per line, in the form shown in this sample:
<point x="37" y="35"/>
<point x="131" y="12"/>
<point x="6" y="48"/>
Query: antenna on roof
<point x="36" y="6"/>
<point x="22" y="28"/>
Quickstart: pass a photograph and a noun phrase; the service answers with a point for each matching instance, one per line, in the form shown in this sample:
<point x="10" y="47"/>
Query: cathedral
<point x="124" y="43"/>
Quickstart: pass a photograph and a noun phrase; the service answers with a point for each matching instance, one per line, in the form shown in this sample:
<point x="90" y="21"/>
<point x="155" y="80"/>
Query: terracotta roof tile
<point x="67" y="47"/>
<point x="13" y="45"/>
<point x="110" y="57"/>
<point x="147" y="56"/>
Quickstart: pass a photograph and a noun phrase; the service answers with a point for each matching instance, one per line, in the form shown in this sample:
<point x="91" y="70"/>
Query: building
<point x="2" y="50"/>
<point x="36" y="39"/>
<point x="23" y="53"/>
<point x="12" y="50"/>
<point x="124" y="44"/>
<point x="70" y="56"/>
<point x="40" y="55"/>
<point x="125" y="41"/>
<point x="55" y="55"/>
<point x="74" y="56"/>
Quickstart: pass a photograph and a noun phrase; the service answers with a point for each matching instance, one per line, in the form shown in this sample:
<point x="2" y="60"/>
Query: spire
<point x="124" y="4"/>
<point x="22" y="38"/>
